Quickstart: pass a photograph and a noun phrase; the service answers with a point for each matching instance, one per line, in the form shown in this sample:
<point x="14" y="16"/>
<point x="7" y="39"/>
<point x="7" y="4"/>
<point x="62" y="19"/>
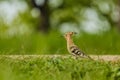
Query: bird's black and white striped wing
<point x="77" y="52"/>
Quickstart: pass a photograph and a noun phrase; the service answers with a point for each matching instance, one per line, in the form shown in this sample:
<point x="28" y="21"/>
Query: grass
<point x="56" y="68"/>
<point x="105" y="43"/>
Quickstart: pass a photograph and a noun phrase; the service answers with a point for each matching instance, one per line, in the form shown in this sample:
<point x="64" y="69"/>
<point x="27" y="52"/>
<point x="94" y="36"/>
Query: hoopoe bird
<point x="72" y="48"/>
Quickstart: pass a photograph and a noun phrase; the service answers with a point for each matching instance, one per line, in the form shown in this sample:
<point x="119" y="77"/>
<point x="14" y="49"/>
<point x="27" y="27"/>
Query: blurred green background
<point x="36" y="26"/>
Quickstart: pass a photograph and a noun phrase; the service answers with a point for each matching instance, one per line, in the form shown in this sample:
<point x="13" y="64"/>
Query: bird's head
<point x="69" y="34"/>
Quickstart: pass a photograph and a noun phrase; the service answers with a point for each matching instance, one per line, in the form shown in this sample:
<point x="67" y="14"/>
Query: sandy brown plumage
<point x="72" y="48"/>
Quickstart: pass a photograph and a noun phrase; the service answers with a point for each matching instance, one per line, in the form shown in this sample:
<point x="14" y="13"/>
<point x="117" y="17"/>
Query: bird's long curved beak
<point x="75" y="32"/>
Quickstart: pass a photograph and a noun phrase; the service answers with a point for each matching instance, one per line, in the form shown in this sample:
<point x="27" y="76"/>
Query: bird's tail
<point x="87" y="56"/>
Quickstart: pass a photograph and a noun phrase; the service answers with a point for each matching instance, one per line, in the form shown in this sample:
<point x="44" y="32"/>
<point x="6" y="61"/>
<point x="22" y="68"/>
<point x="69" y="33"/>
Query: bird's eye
<point x="71" y="33"/>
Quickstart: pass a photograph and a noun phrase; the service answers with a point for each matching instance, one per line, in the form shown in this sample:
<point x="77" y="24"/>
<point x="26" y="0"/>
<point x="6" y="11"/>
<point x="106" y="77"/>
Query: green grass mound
<point x="57" y="69"/>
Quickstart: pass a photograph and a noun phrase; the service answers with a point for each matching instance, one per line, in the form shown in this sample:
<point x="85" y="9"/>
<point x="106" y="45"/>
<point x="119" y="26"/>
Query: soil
<point x="113" y="58"/>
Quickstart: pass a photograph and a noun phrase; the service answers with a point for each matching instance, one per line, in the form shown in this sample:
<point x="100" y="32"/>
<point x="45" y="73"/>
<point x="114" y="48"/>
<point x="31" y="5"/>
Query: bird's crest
<point x="69" y="34"/>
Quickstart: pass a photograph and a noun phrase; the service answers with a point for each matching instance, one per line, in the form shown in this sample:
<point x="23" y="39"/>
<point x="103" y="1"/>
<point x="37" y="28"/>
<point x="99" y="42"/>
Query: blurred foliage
<point x="20" y="36"/>
<point x="73" y="11"/>
<point x="107" y="43"/>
